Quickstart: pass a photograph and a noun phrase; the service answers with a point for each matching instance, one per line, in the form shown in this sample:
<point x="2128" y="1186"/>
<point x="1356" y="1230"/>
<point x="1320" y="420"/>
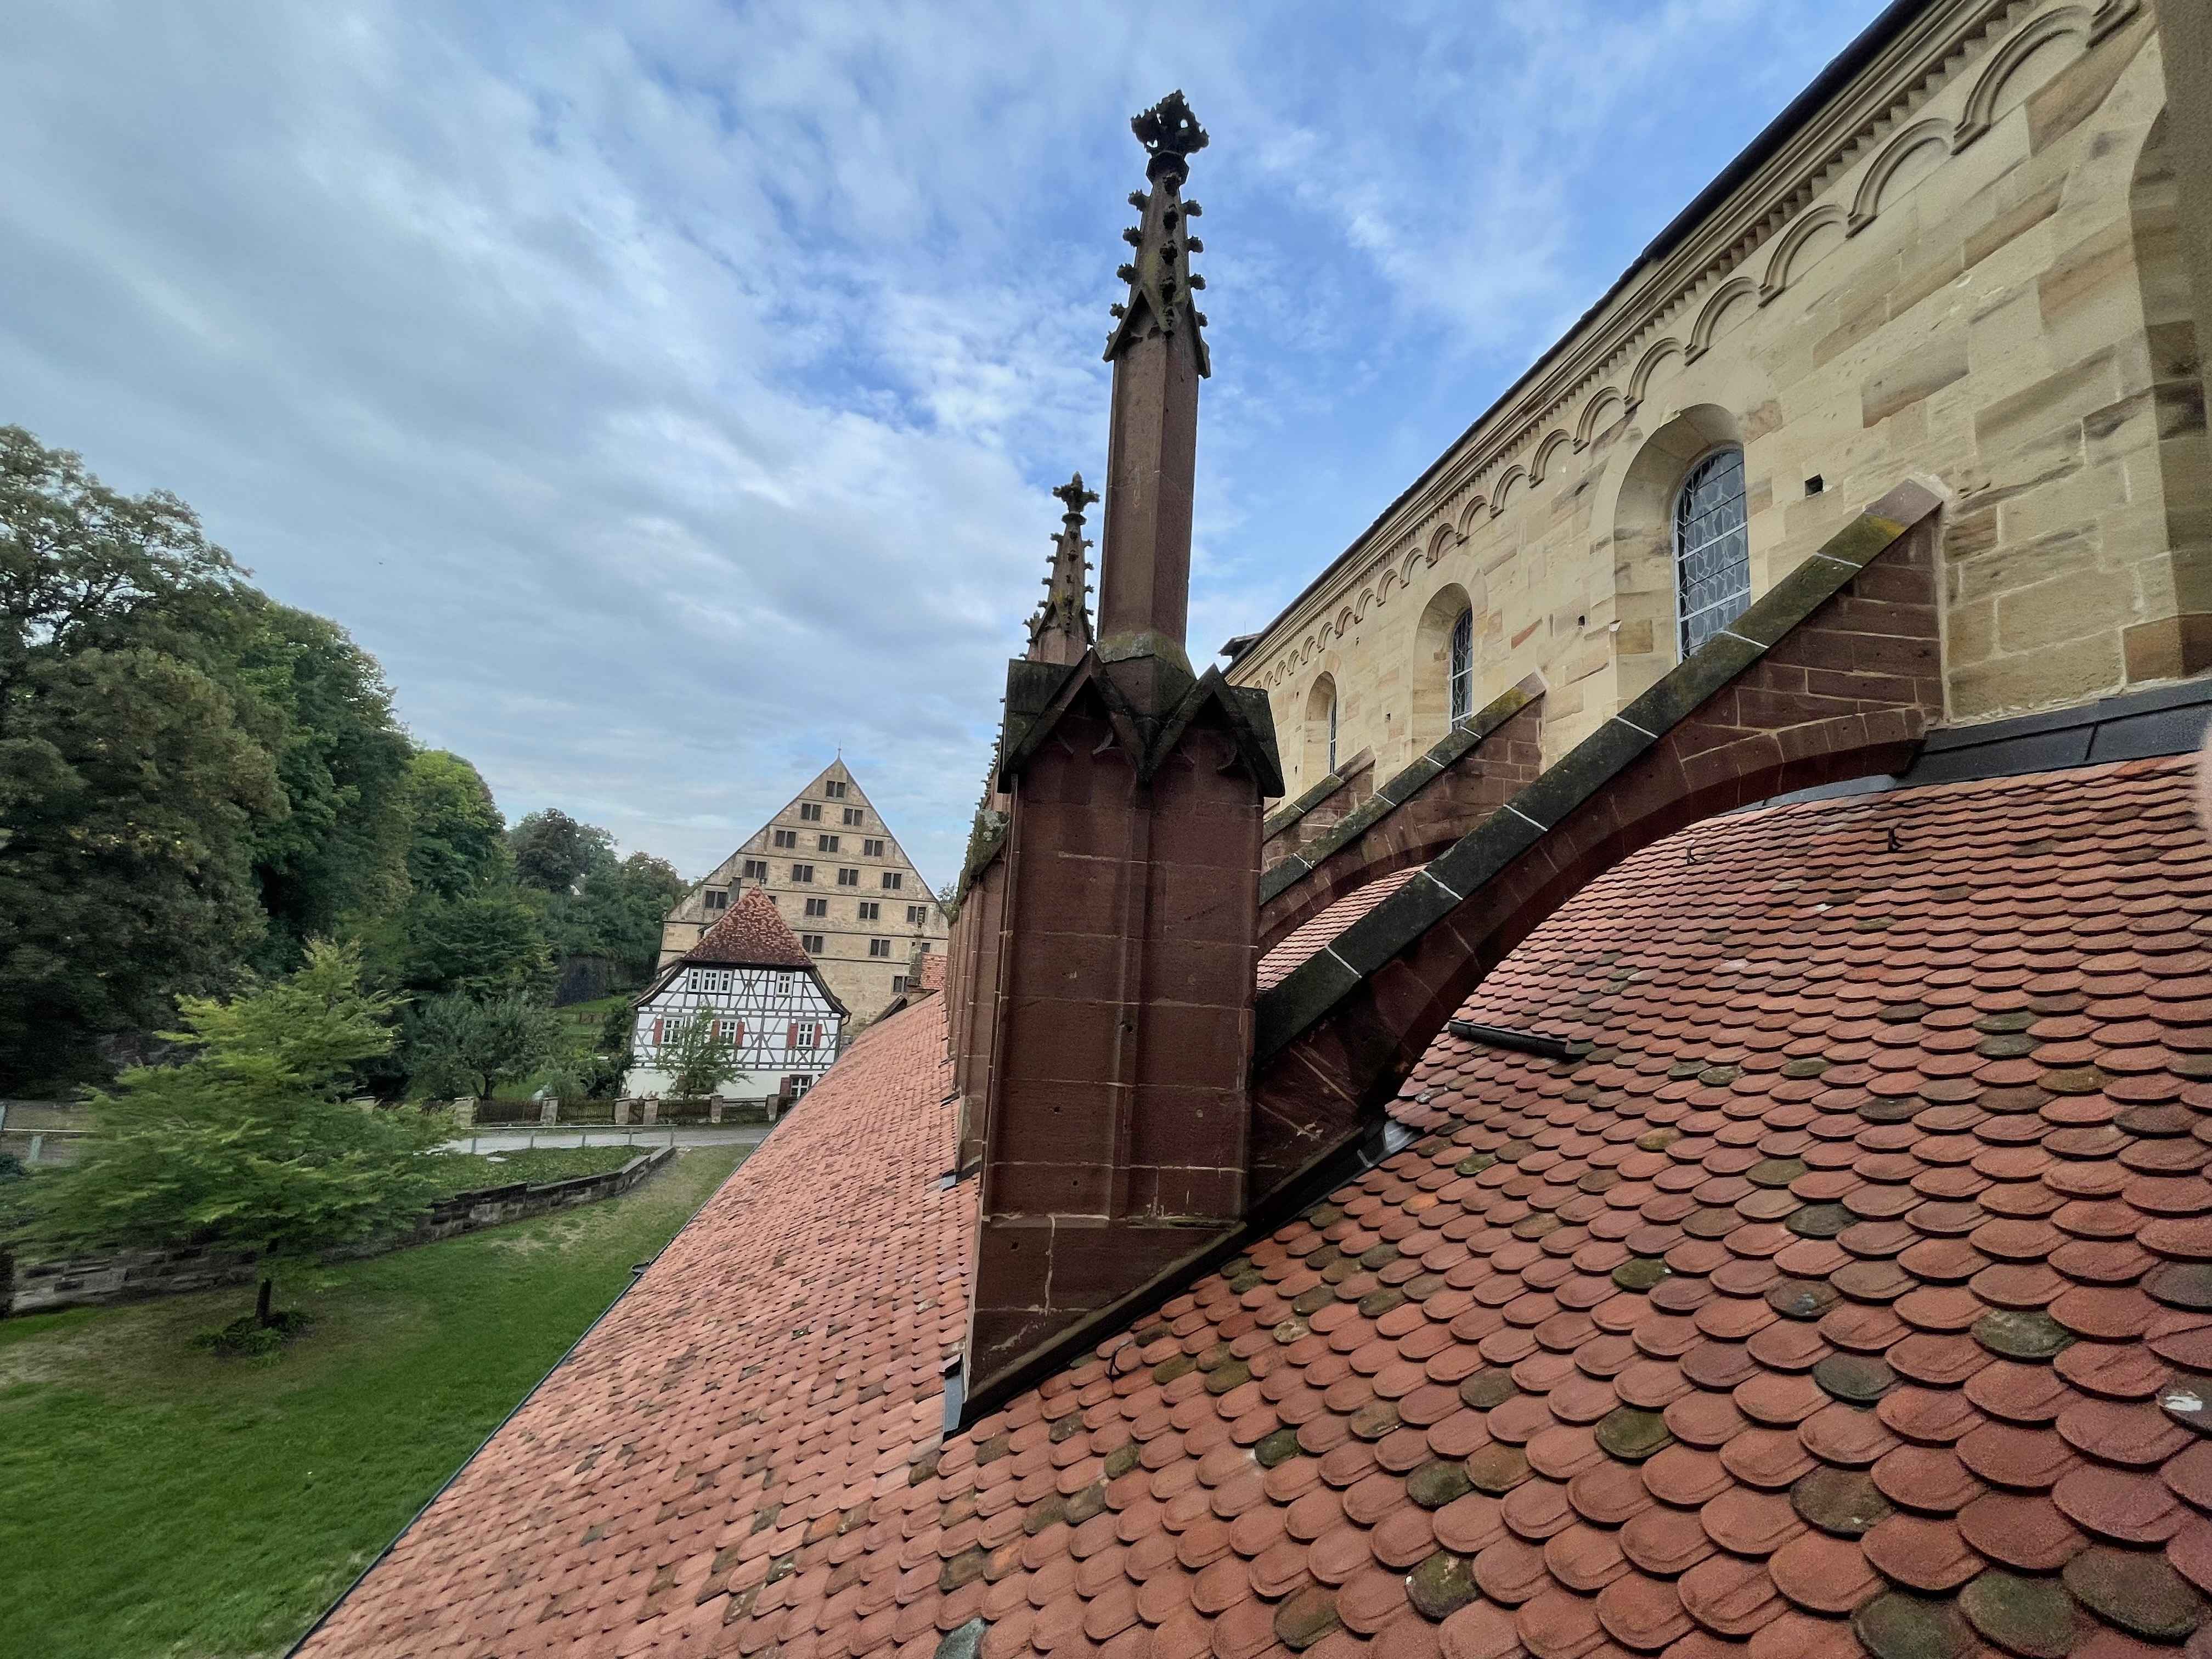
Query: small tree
<point x="697" y="1059"/>
<point x="247" y="1143"/>
<point x="460" y="1046"/>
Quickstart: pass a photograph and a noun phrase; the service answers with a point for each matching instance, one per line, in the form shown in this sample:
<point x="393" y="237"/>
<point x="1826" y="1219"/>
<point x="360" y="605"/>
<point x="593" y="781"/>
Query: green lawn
<point x="461" y="1172"/>
<point x="155" y="1500"/>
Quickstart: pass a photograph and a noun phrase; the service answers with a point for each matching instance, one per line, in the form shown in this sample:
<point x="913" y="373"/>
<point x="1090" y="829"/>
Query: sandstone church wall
<point x="1963" y="268"/>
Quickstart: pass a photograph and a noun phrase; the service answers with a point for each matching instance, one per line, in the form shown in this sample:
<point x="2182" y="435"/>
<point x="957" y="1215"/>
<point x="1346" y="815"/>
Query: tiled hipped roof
<point x="751" y="933"/>
<point x="1852" y="1290"/>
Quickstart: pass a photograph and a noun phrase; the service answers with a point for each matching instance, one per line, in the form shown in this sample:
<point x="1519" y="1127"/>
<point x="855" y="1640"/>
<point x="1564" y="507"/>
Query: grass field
<point x="461" y="1172"/>
<point x="156" y="1500"/>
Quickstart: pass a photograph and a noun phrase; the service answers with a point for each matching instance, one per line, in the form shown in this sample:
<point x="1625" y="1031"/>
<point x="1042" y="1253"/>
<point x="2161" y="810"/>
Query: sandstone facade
<point x="1963" y="268"/>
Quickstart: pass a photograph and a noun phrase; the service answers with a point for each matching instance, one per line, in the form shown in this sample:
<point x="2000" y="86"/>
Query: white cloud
<point x="667" y="394"/>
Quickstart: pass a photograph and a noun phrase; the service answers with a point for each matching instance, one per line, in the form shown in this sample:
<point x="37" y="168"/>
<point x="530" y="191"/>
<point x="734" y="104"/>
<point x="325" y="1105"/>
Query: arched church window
<point x="1712" y="548"/>
<point x="1320" y="729"/>
<point x="1462" y="667"/>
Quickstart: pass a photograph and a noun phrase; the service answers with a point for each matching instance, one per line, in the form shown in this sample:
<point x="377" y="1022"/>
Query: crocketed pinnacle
<point x="1159" y="276"/>
<point x="1059" y="631"/>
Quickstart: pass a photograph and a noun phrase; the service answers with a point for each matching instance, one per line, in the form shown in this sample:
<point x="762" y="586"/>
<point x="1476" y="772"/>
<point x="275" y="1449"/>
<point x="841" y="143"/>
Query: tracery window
<point x="1462" y="667"/>
<point x="1712" y="548"/>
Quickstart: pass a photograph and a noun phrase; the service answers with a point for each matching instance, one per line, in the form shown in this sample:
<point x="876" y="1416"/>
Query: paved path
<point x="644" y="1139"/>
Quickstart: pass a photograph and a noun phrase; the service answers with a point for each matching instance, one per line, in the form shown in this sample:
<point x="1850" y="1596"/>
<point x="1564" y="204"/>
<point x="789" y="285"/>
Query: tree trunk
<point x="262" y="1316"/>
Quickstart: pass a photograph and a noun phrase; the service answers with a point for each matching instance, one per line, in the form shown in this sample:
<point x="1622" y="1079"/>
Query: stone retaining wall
<point x="136" y="1275"/>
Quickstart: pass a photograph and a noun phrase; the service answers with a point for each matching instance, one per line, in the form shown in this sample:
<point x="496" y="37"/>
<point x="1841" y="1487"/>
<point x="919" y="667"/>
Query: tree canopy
<point x="197" y="783"/>
<point x="134" y="789"/>
<point x="248" y="1141"/>
<point x="456" y="840"/>
<point x="342" y="848"/>
<point x="554" y="853"/>
<point x="463" y="1046"/>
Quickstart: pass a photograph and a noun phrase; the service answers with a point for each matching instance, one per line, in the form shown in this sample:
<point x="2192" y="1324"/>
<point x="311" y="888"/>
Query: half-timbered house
<point x="750" y="975"/>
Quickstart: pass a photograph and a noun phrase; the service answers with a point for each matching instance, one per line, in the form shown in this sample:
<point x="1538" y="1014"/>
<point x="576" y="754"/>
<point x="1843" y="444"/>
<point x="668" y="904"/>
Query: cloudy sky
<point x="666" y="392"/>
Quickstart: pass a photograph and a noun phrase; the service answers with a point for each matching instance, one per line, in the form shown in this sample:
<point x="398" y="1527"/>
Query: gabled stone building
<point x="841" y="881"/>
<point x="1721" y="1178"/>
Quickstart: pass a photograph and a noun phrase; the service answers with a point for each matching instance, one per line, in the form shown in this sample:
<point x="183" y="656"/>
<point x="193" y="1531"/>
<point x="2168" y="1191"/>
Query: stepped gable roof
<point x="750" y="933"/>
<point x="1852" y="1292"/>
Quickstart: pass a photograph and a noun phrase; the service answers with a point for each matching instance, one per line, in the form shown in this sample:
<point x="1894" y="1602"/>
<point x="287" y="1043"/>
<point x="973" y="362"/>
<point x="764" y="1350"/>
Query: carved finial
<point x="1074" y="497"/>
<point x="1159" y="277"/>
<point x="1170" y="135"/>
<point x="1059" y="631"/>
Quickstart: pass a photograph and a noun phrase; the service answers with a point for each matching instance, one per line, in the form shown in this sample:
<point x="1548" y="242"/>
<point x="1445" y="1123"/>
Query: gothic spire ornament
<point x="1059" y="631"/>
<point x="1159" y="276"/>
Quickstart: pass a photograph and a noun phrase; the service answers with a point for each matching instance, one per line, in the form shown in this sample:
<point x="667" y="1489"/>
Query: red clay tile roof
<point x="1852" y="1292"/>
<point x="751" y="933"/>
<point x="765" y="1383"/>
<point x="1302" y="942"/>
<point x="932" y="971"/>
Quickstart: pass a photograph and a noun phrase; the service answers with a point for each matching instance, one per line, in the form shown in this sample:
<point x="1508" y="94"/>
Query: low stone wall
<point x="628" y="1110"/>
<point x="135" y="1275"/>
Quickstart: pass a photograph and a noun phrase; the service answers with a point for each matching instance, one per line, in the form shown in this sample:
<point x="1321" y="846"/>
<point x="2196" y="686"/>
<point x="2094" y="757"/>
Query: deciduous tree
<point x="457" y="840"/>
<point x="248" y="1143"/>
<point x="554" y="853"/>
<point x="339" y="856"/>
<point x="132" y="790"/>
<point x="698" y="1058"/>
<point x="459" y="1045"/>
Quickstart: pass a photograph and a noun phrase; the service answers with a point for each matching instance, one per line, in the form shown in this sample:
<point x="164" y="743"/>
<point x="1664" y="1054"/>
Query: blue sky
<point x="667" y="392"/>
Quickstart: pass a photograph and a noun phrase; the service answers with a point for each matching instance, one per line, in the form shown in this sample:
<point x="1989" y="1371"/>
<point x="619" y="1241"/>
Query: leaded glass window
<point x="1712" y="548"/>
<point x="1462" y="666"/>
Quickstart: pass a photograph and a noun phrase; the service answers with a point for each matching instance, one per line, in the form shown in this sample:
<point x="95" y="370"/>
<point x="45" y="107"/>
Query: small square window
<point x="871" y="911"/>
<point x="854" y="816"/>
<point x="718" y="898"/>
<point x="802" y="872"/>
<point x="787" y="838"/>
<point x="825" y="843"/>
<point x="893" y="881"/>
<point x="848" y="877"/>
<point x="879" y="947"/>
<point x="899" y="983"/>
<point x="916" y="915"/>
<point x="833" y="790"/>
<point x="872" y="847"/>
<point x="810" y="943"/>
<point x="755" y="869"/>
<point x="817" y="907"/>
<point x="810" y="813"/>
